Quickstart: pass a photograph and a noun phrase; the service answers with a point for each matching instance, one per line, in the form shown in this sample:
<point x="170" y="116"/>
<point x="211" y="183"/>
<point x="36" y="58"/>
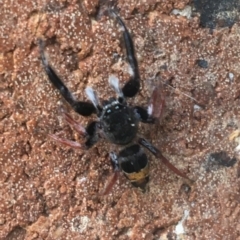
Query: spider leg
<point x="143" y="115"/>
<point x="155" y="107"/>
<point x="92" y="95"/>
<point x="114" y="83"/>
<point x="107" y="189"/>
<point x="114" y="161"/>
<point x="131" y="88"/>
<point x="158" y="154"/>
<point x="66" y="142"/>
<point x="83" y="108"/>
<point x="157" y="103"/>
<point x="77" y="126"/>
<point x="92" y="134"/>
<point x="114" y="177"/>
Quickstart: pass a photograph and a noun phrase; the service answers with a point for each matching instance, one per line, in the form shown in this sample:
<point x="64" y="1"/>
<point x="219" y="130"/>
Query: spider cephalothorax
<point x="117" y="121"/>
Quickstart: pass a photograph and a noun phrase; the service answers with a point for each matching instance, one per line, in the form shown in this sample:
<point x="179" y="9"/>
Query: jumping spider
<point x="117" y="121"/>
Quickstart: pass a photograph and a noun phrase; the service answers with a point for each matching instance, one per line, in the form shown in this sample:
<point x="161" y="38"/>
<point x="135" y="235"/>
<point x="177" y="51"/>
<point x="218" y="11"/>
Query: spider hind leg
<point x="157" y="153"/>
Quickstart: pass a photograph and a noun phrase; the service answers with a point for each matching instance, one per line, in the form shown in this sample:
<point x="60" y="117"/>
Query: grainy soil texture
<point x="51" y="191"/>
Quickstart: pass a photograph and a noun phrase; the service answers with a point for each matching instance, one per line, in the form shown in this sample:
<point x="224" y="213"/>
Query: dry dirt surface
<point x="50" y="191"/>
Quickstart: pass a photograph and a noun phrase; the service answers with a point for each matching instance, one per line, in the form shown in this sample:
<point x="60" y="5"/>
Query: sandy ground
<point x="49" y="191"/>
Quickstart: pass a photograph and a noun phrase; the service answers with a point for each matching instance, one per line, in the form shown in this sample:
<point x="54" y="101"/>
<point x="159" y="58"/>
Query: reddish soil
<point x="49" y="191"/>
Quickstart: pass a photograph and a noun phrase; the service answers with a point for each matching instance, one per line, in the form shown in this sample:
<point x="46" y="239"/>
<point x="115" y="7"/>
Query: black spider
<point x="117" y="122"/>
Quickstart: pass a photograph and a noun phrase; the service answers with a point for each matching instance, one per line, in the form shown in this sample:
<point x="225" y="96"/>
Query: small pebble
<point x="202" y="63"/>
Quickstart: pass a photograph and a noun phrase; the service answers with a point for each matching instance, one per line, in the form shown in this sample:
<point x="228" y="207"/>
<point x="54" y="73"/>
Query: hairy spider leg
<point x="131" y="88"/>
<point x="83" y="108"/>
<point x="159" y="155"/>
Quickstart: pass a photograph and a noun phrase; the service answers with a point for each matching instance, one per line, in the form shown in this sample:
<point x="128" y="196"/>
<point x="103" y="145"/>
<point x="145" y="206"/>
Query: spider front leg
<point x="83" y="108"/>
<point x="132" y="87"/>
